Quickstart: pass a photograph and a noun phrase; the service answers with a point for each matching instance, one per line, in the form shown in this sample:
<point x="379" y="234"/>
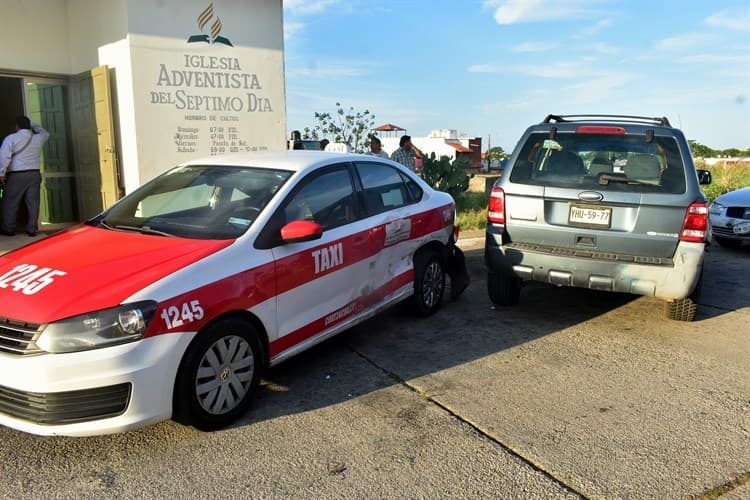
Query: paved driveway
<point x="571" y="393"/>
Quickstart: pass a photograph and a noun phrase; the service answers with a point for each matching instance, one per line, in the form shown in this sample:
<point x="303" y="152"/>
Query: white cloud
<point x="527" y="11"/>
<point x="483" y="68"/>
<point x="533" y="47"/>
<point x="605" y="48"/>
<point x="306" y="7"/>
<point x="560" y="69"/>
<point x="739" y="60"/>
<point x="330" y="69"/>
<point x="682" y="42"/>
<point x="291" y="29"/>
<point x="593" y="30"/>
<point x="598" y="88"/>
<point x="738" y="19"/>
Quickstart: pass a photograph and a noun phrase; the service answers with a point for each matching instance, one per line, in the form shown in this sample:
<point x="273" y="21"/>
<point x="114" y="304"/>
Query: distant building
<point x="443" y="142"/>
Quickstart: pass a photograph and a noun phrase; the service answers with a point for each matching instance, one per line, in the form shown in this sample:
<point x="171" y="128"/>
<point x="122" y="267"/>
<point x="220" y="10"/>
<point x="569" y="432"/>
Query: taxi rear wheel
<point x="218" y="375"/>
<point x="429" y="283"/>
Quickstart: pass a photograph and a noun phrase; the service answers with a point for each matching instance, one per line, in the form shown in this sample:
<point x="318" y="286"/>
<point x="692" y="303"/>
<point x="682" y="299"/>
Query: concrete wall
<point x="58" y="36"/>
<point x="194" y="99"/>
<point x="34" y="36"/>
<point x="175" y="99"/>
<point x="93" y="24"/>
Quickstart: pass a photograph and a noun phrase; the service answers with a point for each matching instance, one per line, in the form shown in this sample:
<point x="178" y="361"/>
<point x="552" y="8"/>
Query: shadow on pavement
<point x="725" y="281"/>
<point x="462" y="331"/>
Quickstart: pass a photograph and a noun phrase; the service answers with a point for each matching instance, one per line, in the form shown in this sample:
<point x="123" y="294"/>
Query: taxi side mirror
<point x="301" y="230"/>
<point x="704" y="177"/>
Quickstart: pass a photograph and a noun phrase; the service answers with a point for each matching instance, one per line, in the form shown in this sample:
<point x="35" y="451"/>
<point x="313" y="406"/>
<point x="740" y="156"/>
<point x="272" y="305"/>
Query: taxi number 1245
<point x="175" y="316"/>
<point x="28" y="278"/>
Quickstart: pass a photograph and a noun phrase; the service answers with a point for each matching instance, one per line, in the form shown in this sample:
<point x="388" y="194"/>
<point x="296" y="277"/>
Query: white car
<point x="174" y="301"/>
<point x="730" y="217"/>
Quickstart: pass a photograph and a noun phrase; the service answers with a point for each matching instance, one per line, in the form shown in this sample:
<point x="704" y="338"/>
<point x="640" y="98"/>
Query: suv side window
<point x="327" y="199"/>
<point x="384" y="188"/>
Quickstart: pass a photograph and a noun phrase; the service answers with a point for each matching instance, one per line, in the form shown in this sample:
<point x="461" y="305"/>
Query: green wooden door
<point x="46" y="105"/>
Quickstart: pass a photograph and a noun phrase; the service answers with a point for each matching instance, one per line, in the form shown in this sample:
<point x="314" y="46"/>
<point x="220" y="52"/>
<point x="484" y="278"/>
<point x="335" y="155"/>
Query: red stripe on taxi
<point x="334" y="318"/>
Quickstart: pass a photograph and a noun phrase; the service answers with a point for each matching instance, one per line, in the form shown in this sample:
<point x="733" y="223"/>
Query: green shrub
<point x="445" y="175"/>
<point x="727" y="177"/>
<point x="472" y="211"/>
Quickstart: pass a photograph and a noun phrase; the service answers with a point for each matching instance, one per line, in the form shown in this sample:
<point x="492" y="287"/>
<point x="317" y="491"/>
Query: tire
<point x="429" y="283"/>
<point x="503" y="290"/>
<point x="685" y="309"/>
<point x="728" y="242"/>
<point x="218" y="375"/>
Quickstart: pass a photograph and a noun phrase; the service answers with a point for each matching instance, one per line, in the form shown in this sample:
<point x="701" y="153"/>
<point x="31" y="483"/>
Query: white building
<point x="442" y="142"/>
<point x="130" y="88"/>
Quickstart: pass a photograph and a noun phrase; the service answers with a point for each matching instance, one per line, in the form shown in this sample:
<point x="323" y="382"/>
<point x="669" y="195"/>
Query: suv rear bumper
<point x="666" y="278"/>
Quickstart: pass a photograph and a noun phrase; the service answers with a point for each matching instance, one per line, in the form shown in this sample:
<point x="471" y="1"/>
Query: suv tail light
<point x="696" y="223"/>
<point x="496" y="209"/>
<point x="600" y="129"/>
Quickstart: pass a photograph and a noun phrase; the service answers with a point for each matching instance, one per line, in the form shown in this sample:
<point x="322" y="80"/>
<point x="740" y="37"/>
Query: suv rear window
<point x="605" y="162"/>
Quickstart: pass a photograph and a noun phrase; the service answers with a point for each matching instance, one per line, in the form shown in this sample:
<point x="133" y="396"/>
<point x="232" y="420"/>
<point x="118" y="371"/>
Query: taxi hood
<point x="87" y="269"/>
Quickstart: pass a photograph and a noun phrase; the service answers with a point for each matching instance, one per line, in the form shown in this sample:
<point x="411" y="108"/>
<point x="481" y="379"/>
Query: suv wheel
<point x="218" y="375"/>
<point x="503" y="290"/>
<point x="685" y="309"/>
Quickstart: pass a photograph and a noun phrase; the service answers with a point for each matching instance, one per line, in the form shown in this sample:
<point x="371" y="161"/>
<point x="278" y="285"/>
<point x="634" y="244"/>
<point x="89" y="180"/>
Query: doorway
<point x="79" y="169"/>
<point x="45" y="102"/>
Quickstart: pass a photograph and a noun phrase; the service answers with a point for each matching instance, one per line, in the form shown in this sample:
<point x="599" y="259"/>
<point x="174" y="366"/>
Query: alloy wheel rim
<point x="432" y="284"/>
<point x="224" y="375"/>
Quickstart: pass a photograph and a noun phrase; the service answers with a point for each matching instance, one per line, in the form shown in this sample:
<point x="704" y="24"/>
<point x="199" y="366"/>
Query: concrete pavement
<point x="572" y="392"/>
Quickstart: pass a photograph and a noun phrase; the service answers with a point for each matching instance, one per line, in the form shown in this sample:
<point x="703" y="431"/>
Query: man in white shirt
<point x="376" y="148"/>
<point x="20" y="159"/>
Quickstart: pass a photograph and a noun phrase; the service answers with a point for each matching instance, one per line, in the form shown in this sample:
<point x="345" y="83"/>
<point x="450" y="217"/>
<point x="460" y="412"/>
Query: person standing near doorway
<point x="20" y="161"/>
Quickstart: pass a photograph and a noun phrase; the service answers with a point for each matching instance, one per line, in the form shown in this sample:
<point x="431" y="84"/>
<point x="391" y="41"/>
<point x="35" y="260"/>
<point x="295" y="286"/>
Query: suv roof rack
<point x="608" y="118"/>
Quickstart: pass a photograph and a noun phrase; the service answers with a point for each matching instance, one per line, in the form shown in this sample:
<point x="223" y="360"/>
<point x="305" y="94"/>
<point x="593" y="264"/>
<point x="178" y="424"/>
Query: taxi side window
<point x="384" y="188"/>
<point x="327" y="199"/>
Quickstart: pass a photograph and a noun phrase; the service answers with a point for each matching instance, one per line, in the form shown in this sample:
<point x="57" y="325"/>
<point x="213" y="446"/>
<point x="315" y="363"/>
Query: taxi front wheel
<point x="218" y="375"/>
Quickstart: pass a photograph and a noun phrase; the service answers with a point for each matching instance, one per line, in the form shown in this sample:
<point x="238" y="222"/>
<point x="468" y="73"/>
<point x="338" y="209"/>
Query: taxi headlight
<point x="715" y="208"/>
<point x="118" y="325"/>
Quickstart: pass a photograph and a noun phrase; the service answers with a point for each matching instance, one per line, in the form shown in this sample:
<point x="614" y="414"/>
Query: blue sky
<point x="494" y="67"/>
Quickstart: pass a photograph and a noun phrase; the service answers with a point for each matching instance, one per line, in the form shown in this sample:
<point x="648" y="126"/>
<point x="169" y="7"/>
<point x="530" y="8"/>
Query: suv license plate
<point x="590" y="216"/>
<point x="741" y="228"/>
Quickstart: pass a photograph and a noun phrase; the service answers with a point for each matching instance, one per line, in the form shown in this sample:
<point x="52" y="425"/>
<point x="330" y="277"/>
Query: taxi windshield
<point x="196" y="201"/>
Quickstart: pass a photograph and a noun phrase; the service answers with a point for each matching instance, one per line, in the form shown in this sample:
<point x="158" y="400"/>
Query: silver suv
<point x="603" y="202"/>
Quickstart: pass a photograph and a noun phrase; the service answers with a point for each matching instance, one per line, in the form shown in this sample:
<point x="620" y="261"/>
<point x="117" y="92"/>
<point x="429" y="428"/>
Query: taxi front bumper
<point x="101" y="391"/>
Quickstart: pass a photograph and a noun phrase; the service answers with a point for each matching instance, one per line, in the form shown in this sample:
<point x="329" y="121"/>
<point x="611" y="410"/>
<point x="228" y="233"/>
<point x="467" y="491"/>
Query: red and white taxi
<point x="173" y="302"/>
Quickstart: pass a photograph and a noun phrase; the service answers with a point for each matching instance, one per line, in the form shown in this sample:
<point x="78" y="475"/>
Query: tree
<point x="700" y="151"/>
<point x="732" y="152"/>
<point x="496" y="153"/>
<point x="350" y="127"/>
